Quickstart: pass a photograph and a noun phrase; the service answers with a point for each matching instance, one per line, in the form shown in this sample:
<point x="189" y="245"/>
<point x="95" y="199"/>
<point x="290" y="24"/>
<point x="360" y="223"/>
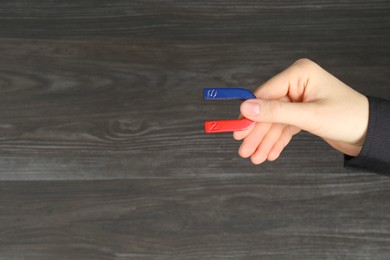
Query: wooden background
<point x="102" y="151"/>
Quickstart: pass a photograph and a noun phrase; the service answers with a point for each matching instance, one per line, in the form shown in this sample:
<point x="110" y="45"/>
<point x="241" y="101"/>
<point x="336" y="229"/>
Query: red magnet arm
<point x="219" y="126"/>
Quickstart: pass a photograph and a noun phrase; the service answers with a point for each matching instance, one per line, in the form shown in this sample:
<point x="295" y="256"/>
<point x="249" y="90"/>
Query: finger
<point x="301" y="115"/>
<point x="274" y="88"/>
<point x="239" y="135"/>
<point x="296" y="75"/>
<point x="283" y="141"/>
<point x="252" y="141"/>
<point x="262" y="151"/>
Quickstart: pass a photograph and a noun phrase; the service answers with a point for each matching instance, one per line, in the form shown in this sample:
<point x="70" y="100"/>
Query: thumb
<point x="275" y="111"/>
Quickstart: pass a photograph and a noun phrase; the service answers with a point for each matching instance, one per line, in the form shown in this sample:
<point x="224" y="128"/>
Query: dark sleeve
<point x="375" y="153"/>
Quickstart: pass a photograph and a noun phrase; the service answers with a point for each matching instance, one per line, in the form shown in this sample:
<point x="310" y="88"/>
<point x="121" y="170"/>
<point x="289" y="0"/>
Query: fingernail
<point x="250" y="108"/>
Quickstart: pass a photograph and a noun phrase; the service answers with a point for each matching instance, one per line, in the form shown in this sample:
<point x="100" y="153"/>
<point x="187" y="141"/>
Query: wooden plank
<point x="193" y="20"/>
<point x="104" y="100"/>
<point x="270" y="216"/>
<point x="81" y="110"/>
<point x="97" y="90"/>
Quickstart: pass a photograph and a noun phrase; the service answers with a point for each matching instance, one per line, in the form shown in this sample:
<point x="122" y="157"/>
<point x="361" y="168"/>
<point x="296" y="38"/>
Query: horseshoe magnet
<point x="231" y="125"/>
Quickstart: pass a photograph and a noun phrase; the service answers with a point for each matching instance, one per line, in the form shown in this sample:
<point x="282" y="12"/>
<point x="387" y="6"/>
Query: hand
<point x="303" y="97"/>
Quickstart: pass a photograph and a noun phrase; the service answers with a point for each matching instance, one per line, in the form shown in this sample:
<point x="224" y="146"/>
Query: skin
<point x="303" y="97"/>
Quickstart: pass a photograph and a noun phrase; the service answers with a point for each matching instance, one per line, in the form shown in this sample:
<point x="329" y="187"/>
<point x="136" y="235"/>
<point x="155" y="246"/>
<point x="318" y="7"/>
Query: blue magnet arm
<point x="227" y="93"/>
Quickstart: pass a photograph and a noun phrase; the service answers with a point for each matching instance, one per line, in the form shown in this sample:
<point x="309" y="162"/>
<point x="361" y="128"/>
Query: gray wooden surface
<point x="102" y="151"/>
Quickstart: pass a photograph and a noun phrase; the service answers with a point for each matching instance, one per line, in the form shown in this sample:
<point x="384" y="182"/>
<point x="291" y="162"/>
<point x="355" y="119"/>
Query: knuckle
<point x="304" y="64"/>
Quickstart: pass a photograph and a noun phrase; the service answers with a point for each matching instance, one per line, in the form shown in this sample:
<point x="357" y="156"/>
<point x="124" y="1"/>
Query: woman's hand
<point x="303" y="97"/>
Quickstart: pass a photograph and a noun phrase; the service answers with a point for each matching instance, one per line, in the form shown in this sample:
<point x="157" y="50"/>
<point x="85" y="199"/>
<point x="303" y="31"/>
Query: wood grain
<point x="343" y="217"/>
<point x="71" y="106"/>
<point x="102" y="151"/>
